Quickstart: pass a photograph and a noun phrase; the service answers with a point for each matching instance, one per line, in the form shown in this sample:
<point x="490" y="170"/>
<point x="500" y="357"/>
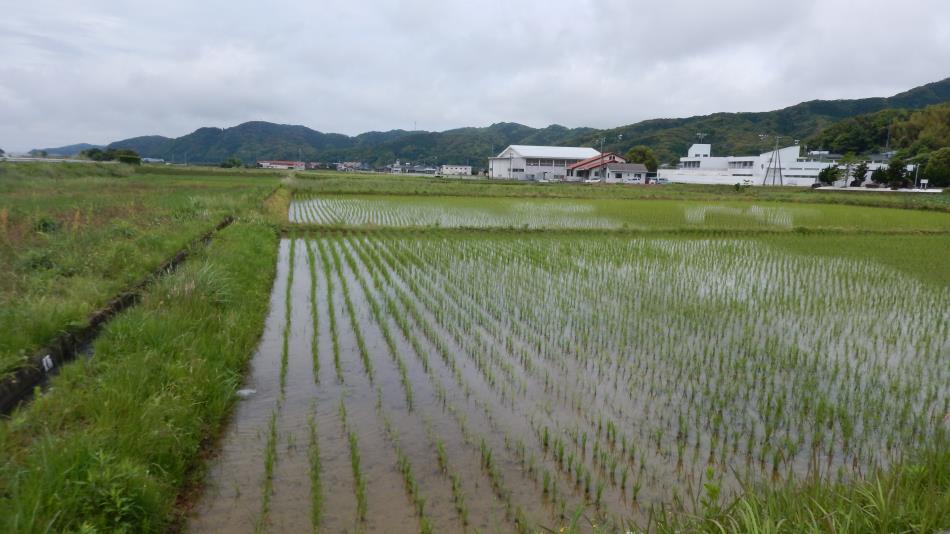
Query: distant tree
<point x="124" y="155"/>
<point x="848" y="162"/>
<point x="938" y="168"/>
<point x="879" y="175"/>
<point x="2" y="152"/>
<point x="896" y="173"/>
<point x="642" y="154"/>
<point x="95" y="154"/>
<point x="232" y="162"/>
<point x="859" y="174"/>
<point x="829" y="175"/>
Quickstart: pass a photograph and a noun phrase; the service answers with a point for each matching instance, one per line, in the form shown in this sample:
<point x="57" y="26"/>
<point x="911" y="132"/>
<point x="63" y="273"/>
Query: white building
<point x="701" y="167"/>
<point x="525" y="162"/>
<point x="455" y="170"/>
<point x="625" y="173"/>
<point x="281" y="164"/>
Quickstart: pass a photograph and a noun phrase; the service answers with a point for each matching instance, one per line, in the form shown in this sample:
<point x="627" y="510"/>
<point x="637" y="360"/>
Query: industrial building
<point x="527" y="162"/>
<point x="784" y="166"/>
<point x="455" y="170"/>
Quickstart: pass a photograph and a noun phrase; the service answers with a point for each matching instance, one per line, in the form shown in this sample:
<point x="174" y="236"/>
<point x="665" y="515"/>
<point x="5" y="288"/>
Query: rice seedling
<point x="316" y="482"/>
<point x="360" y="482"/>
<point x="314" y="315"/>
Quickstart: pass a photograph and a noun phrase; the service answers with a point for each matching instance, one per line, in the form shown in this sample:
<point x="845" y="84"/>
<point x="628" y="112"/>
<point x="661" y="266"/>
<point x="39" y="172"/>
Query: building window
<point x="618" y="175"/>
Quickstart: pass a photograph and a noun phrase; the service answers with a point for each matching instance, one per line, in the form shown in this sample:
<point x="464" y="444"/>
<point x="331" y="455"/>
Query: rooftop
<point x="627" y="167"/>
<point x="562" y="152"/>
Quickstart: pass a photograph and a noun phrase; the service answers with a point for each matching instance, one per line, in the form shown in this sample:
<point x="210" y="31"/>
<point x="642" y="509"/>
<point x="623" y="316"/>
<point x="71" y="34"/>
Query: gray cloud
<point x="97" y="71"/>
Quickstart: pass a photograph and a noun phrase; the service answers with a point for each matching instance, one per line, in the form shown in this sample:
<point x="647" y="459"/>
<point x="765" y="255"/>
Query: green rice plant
<point x="314" y="314"/>
<point x="316" y="481"/>
<point x="267" y="487"/>
<point x="359" y="480"/>
<point x="331" y="310"/>
<point x="354" y="324"/>
<point x="285" y="338"/>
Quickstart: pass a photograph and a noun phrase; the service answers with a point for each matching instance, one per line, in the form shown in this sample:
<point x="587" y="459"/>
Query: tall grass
<point x="111" y="445"/>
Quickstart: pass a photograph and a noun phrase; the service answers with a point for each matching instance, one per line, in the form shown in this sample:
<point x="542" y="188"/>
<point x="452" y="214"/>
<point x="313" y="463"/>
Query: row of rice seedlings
<point x="508" y="442"/>
<point x="285" y="338"/>
<point x="359" y="481"/>
<point x="354" y="324"/>
<point x="843" y="429"/>
<point x="267" y="487"/>
<point x="486" y="358"/>
<point x="600" y="484"/>
<point x="404" y="466"/>
<point x="316" y="481"/>
<point x="376" y="212"/>
<point x="331" y="310"/>
<point x="384" y="328"/>
<point x="516" y="512"/>
<point x="314" y="312"/>
<point x="430" y="290"/>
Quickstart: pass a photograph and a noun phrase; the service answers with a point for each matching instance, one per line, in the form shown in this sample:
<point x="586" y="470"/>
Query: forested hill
<point x="730" y="133"/>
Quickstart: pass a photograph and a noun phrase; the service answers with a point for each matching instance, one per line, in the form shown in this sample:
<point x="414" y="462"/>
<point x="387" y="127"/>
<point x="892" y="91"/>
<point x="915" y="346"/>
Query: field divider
<point x="18" y="387"/>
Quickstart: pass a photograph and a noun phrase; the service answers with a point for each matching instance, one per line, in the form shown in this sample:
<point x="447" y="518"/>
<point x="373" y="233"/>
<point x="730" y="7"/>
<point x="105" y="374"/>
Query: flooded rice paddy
<point x="598" y="214"/>
<point x="427" y="384"/>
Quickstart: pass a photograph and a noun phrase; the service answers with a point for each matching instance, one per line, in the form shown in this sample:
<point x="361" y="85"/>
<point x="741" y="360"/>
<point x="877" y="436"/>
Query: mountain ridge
<point x="729" y="132"/>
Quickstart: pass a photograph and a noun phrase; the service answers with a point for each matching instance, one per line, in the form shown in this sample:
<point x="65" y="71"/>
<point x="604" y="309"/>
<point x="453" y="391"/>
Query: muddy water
<point x="240" y="498"/>
<point x="231" y="501"/>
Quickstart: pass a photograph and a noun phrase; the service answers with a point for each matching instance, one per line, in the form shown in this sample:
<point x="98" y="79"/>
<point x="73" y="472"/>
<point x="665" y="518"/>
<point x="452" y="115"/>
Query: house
<point x="408" y="168"/>
<point x="528" y="162"/>
<point x="626" y="173"/>
<point x="352" y="166"/>
<point x="281" y="164"/>
<point x="592" y="168"/>
<point x="455" y="170"/>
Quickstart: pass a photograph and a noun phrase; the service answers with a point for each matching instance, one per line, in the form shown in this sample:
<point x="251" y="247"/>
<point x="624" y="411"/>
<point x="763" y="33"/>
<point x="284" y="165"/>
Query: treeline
<point x="918" y="137"/>
<point x="122" y="155"/>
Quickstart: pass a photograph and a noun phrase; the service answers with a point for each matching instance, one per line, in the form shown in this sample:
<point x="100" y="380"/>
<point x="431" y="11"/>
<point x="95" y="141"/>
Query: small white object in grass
<point x="47" y="363"/>
<point x="245" y="393"/>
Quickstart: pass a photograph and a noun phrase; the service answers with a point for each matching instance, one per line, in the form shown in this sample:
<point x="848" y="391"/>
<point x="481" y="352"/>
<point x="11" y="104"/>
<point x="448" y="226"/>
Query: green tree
<point x="829" y="175"/>
<point x="232" y="162"/>
<point x="879" y="175"/>
<point x="896" y="173"/>
<point x="859" y="174"/>
<point x="938" y="168"/>
<point x="642" y="154"/>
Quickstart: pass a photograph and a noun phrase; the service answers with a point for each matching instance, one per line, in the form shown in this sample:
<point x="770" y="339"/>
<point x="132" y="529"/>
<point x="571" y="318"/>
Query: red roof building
<point x="593" y="168"/>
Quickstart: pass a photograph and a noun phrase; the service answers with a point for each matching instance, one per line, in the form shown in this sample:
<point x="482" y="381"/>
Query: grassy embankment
<point x="912" y="497"/>
<point x="73" y="236"/>
<point x="328" y="182"/>
<point x="111" y="445"/>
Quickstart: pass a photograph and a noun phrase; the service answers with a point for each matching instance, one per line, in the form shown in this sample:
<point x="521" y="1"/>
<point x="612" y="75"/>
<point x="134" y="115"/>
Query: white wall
<point x="498" y="168"/>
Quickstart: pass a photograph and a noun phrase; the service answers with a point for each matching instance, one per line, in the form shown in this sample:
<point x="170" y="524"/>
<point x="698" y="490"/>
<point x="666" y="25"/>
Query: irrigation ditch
<point x="18" y="387"/>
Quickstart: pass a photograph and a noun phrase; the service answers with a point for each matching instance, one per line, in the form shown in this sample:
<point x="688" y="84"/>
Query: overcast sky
<point x="98" y="71"/>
